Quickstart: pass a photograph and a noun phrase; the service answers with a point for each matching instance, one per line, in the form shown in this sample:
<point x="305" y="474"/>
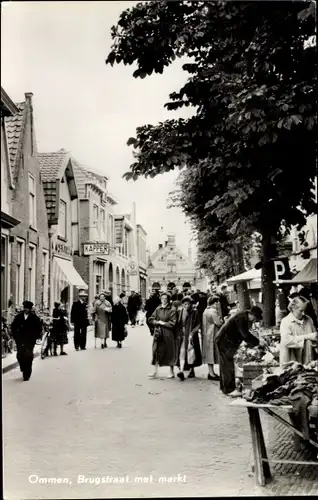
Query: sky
<point x="57" y="51"/>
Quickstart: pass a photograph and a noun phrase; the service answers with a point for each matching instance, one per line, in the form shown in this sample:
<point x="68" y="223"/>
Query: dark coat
<point x="119" y="320"/>
<point x="164" y="339"/>
<point x="26" y="332"/>
<point x="151" y="305"/>
<point x="134" y="303"/>
<point x="234" y="331"/>
<point x="79" y="314"/>
<point x="193" y="324"/>
<point x="59" y="329"/>
<point x="225" y="305"/>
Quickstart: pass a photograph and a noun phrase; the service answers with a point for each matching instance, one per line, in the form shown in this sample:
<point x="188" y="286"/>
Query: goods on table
<point x="297" y="386"/>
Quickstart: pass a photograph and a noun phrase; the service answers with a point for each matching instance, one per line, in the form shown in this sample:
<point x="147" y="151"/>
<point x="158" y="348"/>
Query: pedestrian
<point x="134" y="303"/>
<point x="141" y="315"/>
<point x="26" y="328"/>
<point x="178" y="302"/>
<point x="164" y="320"/>
<point x="229" y="338"/>
<point x="151" y="305"/>
<point x="59" y="329"/>
<point x="124" y="299"/>
<point x="79" y="318"/>
<point x="188" y="342"/>
<point x="211" y="322"/>
<point x="119" y="321"/>
<point x="224" y="302"/>
<point x="297" y="331"/>
<point x="101" y="316"/>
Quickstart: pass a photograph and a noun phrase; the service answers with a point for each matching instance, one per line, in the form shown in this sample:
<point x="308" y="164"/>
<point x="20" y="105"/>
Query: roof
<point x="250" y="275"/>
<point x="14" y="126"/>
<point x="7" y="105"/>
<point x="51" y="164"/>
<point x="307" y="275"/>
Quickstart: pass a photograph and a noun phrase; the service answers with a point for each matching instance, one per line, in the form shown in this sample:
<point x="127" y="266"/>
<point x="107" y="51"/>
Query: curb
<point x="14" y="365"/>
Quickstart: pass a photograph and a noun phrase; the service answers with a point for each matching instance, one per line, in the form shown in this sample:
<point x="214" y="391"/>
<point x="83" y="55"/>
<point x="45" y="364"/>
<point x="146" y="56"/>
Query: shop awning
<point x="308" y="274"/>
<point x="70" y="273"/>
<point x="250" y="275"/>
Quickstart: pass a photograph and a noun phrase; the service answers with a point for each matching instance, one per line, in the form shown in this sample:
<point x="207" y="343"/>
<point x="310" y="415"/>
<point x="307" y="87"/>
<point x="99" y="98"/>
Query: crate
<point x="250" y="373"/>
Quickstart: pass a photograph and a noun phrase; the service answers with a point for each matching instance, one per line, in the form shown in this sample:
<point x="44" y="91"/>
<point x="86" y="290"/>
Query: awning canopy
<point x="307" y="275"/>
<point x="250" y="275"/>
<point x="70" y="273"/>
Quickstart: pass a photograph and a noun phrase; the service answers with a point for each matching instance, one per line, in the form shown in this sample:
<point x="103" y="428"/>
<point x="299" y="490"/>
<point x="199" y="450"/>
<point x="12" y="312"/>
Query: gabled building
<point x="169" y="267"/>
<point x="62" y="209"/>
<point x="104" y="257"/>
<point x="24" y="215"/>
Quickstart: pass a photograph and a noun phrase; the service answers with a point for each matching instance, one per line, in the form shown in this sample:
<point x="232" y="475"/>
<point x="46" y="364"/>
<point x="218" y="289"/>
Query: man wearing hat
<point x="228" y="339"/>
<point x="79" y="318"/>
<point x="26" y="329"/>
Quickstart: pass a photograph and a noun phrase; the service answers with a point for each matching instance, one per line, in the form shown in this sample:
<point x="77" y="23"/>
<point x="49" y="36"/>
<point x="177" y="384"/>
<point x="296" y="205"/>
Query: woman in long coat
<point x="211" y="322"/>
<point x="188" y="344"/>
<point x="59" y="329"/>
<point x="101" y="313"/>
<point x="119" y="321"/>
<point x="164" y="320"/>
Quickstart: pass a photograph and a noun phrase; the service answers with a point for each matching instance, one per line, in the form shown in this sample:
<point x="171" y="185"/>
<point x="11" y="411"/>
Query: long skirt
<point x="164" y="349"/>
<point x="189" y="355"/>
<point x="102" y="329"/>
<point x="209" y="349"/>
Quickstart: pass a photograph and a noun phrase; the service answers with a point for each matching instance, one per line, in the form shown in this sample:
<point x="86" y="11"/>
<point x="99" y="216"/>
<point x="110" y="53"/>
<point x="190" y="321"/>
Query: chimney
<point x="28" y="97"/>
<point x="160" y="246"/>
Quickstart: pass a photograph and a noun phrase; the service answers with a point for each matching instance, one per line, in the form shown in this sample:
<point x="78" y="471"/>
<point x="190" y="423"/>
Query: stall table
<point x="261" y="461"/>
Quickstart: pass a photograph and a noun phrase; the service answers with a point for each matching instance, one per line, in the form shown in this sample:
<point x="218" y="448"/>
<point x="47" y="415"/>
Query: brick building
<point x="28" y="246"/>
<point x="62" y="208"/>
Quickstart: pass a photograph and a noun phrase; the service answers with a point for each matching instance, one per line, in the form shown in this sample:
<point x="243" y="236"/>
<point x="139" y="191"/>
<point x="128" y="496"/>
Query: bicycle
<point x="7" y="342"/>
<point x="46" y="341"/>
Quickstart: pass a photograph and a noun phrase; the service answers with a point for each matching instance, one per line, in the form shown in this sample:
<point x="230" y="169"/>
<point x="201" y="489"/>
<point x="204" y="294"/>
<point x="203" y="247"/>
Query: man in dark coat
<point x="152" y="303"/>
<point x="26" y="329"/>
<point x="228" y="339"/>
<point x="79" y="318"/>
<point x="224" y="302"/>
<point x="133" y="306"/>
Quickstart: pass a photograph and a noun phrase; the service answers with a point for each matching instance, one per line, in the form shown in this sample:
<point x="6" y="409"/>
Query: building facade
<point x="106" y="237"/>
<point x="27" y="249"/>
<point x="62" y="208"/>
<point x="169" y="266"/>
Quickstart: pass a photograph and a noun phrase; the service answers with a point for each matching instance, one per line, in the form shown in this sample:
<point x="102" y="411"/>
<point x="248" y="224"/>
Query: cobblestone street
<point x="95" y="414"/>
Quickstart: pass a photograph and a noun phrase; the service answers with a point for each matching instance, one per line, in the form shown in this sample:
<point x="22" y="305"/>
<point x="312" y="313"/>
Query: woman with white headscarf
<point x="297" y="332"/>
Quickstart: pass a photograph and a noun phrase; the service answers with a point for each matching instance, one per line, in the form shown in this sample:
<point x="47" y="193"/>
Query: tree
<point x="252" y="86"/>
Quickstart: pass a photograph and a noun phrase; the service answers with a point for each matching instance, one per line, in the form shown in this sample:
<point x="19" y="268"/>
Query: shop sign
<point x="132" y="268"/>
<point x="96" y="248"/>
<point x="282" y="270"/>
<point x="61" y="248"/>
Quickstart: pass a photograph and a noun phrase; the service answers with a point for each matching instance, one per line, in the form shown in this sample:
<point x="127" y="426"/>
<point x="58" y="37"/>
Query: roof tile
<point x="50" y="164"/>
<point x="14" y="126"/>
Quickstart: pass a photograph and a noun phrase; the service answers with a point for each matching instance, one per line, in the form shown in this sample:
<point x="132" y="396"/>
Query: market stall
<point x="293" y="390"/>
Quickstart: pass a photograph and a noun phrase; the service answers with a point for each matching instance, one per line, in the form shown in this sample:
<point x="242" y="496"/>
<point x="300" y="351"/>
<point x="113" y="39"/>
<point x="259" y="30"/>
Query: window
<point x="45" y="277"/>
<point x="31" y="274"/>
<point x="110" y="230"/>
<point x="126" y="244"/>
<point x="99" y="277"/>
<point x="32" y="202"/>
<point x="63" y="219"/>
<point x="95" y="216"/>
<point x="3" y="273"/>
<point x="19" y="296"/>
<point x="102" y="221"/>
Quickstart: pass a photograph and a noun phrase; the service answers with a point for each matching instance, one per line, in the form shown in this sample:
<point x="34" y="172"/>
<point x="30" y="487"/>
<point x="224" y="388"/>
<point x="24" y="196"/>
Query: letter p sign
<point x="280" y="269"/>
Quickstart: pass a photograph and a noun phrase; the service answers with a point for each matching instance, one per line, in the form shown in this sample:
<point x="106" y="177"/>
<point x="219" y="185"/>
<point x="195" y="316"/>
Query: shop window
<point x="20" y="273"/>
<point x="32" y="202"/>
<point x="63" y="219"/>
<point x="3" y="274"/>
<point x="45" y="277"/>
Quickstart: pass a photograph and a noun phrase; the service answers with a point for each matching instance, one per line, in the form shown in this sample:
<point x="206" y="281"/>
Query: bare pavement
<point x="91" y="425"/>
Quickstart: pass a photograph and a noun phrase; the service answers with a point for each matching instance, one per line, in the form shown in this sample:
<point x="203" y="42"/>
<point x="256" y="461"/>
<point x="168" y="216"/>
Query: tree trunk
<point x="268" y="276"/>
<point x="242" y="290"/>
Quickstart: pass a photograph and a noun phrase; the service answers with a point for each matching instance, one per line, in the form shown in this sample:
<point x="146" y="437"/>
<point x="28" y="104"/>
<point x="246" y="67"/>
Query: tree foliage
<point x="248" y="151"/>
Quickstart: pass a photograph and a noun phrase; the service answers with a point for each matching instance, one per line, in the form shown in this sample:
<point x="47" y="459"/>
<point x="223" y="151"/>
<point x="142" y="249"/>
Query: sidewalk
<point x="10" y="361"/>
